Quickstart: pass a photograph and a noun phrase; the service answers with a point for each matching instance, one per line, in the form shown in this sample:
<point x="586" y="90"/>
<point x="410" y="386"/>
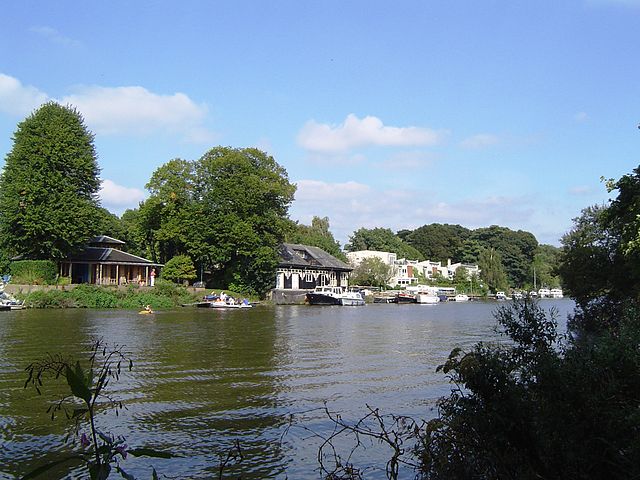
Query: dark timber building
<point x="302" y="268"/>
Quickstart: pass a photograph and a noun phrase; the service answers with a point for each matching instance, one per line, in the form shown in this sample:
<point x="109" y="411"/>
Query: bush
<point x="516" y="406"/>
<point x="179" y="268"/>
<point x="50" y="299"/>
<point x="164" y="295"/>
<point x="34" y="272"/>
<point x="92" y="296"/>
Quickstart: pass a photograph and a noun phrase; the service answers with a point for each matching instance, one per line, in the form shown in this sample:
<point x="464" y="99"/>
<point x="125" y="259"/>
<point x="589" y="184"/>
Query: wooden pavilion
<point x="103" y="262"/>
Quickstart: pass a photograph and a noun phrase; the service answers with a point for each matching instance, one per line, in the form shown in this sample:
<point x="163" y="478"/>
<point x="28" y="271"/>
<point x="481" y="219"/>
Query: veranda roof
<point x="109" y="256"/>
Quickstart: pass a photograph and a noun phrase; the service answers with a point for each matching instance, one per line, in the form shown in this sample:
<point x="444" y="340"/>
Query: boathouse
<point x="302" y="268"/>
<point x="102" y="262"/>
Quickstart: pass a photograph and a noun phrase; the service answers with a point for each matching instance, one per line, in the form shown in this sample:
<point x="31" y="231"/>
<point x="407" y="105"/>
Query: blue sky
<point x="385" y="114"/>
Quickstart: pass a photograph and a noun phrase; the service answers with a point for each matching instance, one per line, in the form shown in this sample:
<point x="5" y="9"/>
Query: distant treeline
<point x="506" y="257"/>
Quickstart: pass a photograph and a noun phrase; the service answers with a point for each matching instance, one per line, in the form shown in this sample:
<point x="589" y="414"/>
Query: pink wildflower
<point x="122" y="450"/>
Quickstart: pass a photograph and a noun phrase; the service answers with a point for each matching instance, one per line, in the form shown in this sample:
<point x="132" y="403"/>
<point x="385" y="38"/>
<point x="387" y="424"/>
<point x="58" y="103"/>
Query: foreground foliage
<point x="88" y="396"/>
<point x="538" y="406"/>
<point x="545" y="406"/>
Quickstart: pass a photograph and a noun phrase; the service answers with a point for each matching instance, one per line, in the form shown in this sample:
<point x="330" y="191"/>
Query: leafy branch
<point x="86" y="389"/>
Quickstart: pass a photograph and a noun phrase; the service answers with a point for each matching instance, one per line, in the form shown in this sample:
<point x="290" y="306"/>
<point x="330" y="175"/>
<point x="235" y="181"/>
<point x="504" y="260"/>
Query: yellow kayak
<point x="145" y="312"/>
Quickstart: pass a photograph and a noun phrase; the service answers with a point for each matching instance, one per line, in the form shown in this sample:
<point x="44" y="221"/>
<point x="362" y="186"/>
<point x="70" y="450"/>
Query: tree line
<point x="220" y="217"/>
<point x="506" y="258"/>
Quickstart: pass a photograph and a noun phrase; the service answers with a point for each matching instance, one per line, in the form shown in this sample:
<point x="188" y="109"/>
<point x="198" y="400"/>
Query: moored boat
<point x="404" y="297"/>
<point x="230" y="305"/>
<point x="427" y="298"/>
<point x="461" y="297"/>
<point x="544" y="293"/>
<point x="324" y="295"/>
<point x="351" y="299"/>
<point x="556" y="293"/>
<point x="385" y="299"/>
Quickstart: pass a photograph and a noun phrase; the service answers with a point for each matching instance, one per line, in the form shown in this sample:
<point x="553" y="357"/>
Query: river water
<point x="203" y="379"/>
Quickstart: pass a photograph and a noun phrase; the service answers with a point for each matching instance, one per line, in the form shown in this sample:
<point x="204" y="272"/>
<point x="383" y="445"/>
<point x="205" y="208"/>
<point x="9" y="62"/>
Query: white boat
<point x="461" y="297"/>
<point x="351" y="299"/>
<point x="502" y="296"/>
<point x="7" y="301"/>
<point x="533" y="294"/>
<point x="12" y="305"/>
<point x="556" y="293"/>
<point x="427" y="298"/>
<point x="229" y="305"/>
<point x="425" y="294"/>
<point x="544" y="293"/>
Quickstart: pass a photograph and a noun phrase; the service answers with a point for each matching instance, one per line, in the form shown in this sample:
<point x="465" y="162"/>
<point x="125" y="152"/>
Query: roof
<point x="108" y="255"/>
<point x="105" y="239"/>
<point x="296" y="255"/>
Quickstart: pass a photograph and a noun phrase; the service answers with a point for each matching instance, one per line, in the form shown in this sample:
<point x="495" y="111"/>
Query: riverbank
<point x="162" y="295"/>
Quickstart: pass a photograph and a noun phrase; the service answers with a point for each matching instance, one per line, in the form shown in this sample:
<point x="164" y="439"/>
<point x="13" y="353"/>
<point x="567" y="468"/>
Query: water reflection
<point x="203" y="379"/>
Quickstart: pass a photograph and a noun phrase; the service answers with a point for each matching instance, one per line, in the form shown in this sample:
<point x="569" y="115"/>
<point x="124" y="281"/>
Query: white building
<point x="356" y="257"/>
<point x="406" y="272"/>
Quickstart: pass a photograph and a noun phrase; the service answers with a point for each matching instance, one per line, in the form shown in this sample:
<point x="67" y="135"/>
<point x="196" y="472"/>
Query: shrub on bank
<point x="34" y="272"/>
<point x="93" y="296"/>
<point x="164" y="295"/>
<point x="50" y="299"/>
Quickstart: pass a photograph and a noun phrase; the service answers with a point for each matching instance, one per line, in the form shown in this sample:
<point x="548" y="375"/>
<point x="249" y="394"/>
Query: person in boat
<point x="148" y="309"/>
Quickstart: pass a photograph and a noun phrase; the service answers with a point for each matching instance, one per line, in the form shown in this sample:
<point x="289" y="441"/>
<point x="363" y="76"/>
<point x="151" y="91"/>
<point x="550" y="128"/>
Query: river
<point x="203" y="379"/>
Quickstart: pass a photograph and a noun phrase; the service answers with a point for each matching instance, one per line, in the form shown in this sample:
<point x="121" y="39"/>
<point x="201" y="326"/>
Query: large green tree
<point x="371" y="272"/>
<point x="381" y="239"/>
<point x="516" y="248"/>
<point x="317" y="234"/>
<point x="227" y="211"/>
<point x="492" y="269"/>
<point x="438" y="242"/>
<point x="49" y="186"/>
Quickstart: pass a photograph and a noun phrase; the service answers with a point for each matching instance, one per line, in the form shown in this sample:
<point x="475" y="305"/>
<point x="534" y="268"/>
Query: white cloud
<point x="581" y="117"/>
<point x="356" y="132"/>
<point x="54" y="36"/>
<point x="481" y="140"/>
<point x="17" y="99"/>
<point x="581" y="190"/>
<point x="132" y="110"/>
<point x="622" y="3"/>
<point x="409" y="160"/>
<point x="353" y="205"/>
<point x="119" y="197"/>
<point x="137" y="111"/>
<point x="336" y="159"/>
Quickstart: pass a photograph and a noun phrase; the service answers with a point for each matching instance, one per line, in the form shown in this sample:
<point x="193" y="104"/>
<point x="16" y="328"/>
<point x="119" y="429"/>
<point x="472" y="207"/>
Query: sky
<point x="384" y="114"/>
